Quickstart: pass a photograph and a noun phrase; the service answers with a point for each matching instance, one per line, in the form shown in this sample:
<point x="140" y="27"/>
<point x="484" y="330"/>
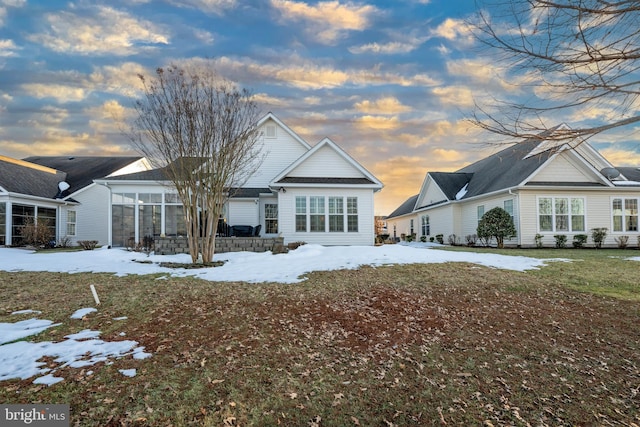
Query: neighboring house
<point x="549" y="188"/>
<point x="61" y="191"/>
<point x="313" y="194"/>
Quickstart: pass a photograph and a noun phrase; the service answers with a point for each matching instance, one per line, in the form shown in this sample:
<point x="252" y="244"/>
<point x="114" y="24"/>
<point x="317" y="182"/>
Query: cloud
<point x="7" y="48"/>
<point x="99" y="30"/>
<point x="386" y="48"/>
<point x="455" y="30"/>
<point x="109" y="118"/>
<point x="305" y="74"/>
<point x="61" y="93"/>
<point x="620" y="157"/>
<point x="217" y="7"/>
<point x="387" y="105"/>
<point x="120" y="79"/>
<point x="378" y="122"/>
<point x="327" y="21"/>
<point x="458" y="96"/>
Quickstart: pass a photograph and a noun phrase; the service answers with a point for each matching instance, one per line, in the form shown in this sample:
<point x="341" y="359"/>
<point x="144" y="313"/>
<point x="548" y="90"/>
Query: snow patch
<point x="79" y="314"/>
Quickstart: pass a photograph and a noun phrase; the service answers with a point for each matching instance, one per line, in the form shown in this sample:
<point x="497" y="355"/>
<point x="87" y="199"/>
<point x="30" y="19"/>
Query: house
<point x="549" y="188"/>
<point x="316" y="194"/>
<point x="59" y="190"/>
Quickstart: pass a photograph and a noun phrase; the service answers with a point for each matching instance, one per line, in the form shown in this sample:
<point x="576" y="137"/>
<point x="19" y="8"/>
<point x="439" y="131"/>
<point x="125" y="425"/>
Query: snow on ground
<point x="79" y="314"/>
<point x="20" y="359"/>
<point x="255" y="267"/>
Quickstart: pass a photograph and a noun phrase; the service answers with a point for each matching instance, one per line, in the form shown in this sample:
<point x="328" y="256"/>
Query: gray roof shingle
<point x="82" y="170"/>
<point x="30" y="179"/>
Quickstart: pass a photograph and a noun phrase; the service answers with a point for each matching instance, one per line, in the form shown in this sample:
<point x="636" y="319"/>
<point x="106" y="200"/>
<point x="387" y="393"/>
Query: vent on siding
<point x="270" y="131"/>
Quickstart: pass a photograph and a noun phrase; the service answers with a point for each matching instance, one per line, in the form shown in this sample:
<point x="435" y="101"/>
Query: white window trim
<point x="345" y="214"/>
<point x="623" y="198"/>
<point x="553" y="214"/>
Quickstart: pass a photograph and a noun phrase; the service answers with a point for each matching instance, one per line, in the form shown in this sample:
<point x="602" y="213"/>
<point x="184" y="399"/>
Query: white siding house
<point x="313" y="194"/>
<point x="548" y="188"/>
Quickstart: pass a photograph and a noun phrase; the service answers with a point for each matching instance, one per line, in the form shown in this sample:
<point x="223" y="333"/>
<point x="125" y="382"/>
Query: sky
<point x="392" y="82"/>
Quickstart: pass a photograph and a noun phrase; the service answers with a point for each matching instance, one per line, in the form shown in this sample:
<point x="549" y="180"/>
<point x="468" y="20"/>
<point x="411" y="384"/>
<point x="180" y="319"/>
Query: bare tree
<point x="578" y="56"/>
<point x="201" y="130"/>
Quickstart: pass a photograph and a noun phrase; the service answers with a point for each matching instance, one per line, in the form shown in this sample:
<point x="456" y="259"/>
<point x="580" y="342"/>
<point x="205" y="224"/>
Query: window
<point x="271" y="218"/>
<point x="327" y="214"/>
<point x="336" y="214"/>
<point x="411" y="229"/>
<point x="3" y="223"/>
<point x="149" y="214"/>
<point x="316" y="214"/>
<point x="352" y="214"/>
<point x="270" y="131"/>
<point x="174" y="223"/>
<point x="71" y="223"/>
<point x="480" y="212"/>
<point x="424" y="223"/>
<point x="625" y="215"/>
<point x="508" y="206"/>
<point x="301" y="214"/>
<point x="561" y="214"/>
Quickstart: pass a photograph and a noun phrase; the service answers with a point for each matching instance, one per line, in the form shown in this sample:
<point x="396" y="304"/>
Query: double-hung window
<point x="301" y="214"/>
<point x="336" y="214"/>
<point x="271" y="218"/>
<point x="426" y="227"/>
<point x="625" y="214"/>
<point x="316" y="214"/>
<point x="561" y="214"/>
<point x="71" y="223"/>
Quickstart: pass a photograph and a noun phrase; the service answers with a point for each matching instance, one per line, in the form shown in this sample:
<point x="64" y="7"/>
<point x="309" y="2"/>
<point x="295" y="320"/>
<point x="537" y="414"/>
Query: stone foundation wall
<point x="179" y="245"/>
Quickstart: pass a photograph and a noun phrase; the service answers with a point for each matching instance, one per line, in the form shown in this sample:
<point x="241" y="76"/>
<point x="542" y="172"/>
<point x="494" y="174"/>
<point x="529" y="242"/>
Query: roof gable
<point x="326" y="163"/>
<point x="568" y="166"/>
<point x="270" y="116"/>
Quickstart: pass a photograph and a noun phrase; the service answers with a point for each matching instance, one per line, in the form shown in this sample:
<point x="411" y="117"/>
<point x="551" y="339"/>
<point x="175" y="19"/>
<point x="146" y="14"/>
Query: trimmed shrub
<point x="579" y="240"/>
<point x="598" y="235"/>
<point x="561" y="241"/>
<point x="622" y="241"/>
<point x="497" y="224"/>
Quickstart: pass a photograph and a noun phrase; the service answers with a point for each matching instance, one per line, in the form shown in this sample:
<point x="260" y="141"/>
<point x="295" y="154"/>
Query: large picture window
<point x="333" y="214"/>
<point x="625" y="215"/>
<point x="561" y="214"/>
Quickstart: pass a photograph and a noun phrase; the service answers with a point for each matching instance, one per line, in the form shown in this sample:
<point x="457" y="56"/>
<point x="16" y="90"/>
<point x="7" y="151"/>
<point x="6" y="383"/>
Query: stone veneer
<point x="179" y="245"/>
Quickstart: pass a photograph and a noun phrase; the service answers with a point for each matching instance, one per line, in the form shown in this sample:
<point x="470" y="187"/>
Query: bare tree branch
<point x="581" y="55"/>
<point x="201" y="130"/>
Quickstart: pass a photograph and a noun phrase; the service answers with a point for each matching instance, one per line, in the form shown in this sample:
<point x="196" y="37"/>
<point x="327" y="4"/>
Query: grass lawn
<point x="433" y="344"/>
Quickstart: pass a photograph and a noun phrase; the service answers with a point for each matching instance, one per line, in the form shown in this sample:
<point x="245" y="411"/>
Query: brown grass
<point x="453" y="344"/>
